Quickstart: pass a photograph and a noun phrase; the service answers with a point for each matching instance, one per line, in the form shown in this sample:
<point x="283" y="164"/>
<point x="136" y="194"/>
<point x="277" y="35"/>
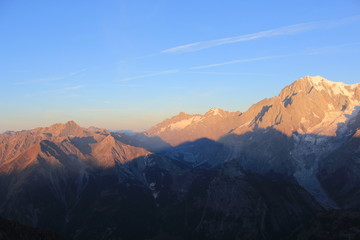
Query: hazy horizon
<point x="126" y="65"/>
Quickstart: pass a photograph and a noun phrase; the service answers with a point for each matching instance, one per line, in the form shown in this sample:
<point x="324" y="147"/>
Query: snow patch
<point x="306" y="153"/>
<point x="303" y="120"/>
<point x="152" y="186"/>
<point x="330" y="123"/>
<point x="315" y="115"/>
<point x="181" y="124"/>
<point x="337" y="88"/>
<point x="184" y="123"/>
<point x="155" y="195"/>
<point x="215" y="112"/>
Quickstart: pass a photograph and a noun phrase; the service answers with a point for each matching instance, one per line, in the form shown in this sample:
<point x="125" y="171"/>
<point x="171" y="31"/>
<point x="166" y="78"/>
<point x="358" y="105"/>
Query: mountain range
<point x="266" y="173"/>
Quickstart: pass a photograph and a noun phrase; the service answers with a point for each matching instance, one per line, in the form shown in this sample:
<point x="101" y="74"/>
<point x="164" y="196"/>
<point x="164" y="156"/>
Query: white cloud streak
<point x="77" y="72"/>
<point x="74" y="88"/>
<point x="288" y="30"/>
<point x="323" y="50"/>
<point x="130" y="85"/>
<point x="155" y="74"/>
<point x="51" y="79"/>
<point x="229" y="73"/>
<point x="192" y="47"/>
<point x="237" y="61"/>
<point x="97" y="110"/>
<point x="39" y="80"/>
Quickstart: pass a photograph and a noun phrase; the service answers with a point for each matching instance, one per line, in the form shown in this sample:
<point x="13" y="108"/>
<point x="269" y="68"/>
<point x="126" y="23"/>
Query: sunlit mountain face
<point x="287" y="168"/>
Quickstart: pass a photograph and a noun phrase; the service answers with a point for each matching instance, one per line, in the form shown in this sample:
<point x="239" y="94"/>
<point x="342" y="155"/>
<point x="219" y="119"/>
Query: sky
<point x="129" y="64"/>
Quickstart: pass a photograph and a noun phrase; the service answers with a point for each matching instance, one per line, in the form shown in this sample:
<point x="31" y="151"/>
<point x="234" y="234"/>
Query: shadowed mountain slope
<point x="221" y="175"/>
<point x="289" y="134"/>
<point x="11" y="230"/>
<point x="333" y="225"/>
<point x="88" y="184"/>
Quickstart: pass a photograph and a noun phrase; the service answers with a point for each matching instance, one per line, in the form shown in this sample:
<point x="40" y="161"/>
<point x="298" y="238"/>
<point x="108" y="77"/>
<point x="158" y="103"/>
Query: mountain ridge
<point x="308" y="105"/>
<point x="185" y="127"/>
<point x="292" y="132"/>
<point x="219" y="175"/>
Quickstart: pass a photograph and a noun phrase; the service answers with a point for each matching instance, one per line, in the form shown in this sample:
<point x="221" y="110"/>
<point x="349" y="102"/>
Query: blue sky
<point x="130" y="64"/>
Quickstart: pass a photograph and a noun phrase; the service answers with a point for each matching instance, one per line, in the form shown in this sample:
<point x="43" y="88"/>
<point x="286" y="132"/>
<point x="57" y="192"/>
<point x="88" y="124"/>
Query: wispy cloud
<point x="229" y="73"/>
<point x="51" y="79"/>
<point x="73" y="88"/>
<point x="237" y="61"/>
<point x="130" y="85"/>
<point x="292" y="29"/>
<point x="155" y="74"/>
<point x="147" y="56"/>
<point x="248" y="60"/>
<point x="333" y="49"/>
<point x="77" y="72"/>
<point x="39" y="80"/>
<point x="318" y="51"/>
<point x="288" y="30"/>
<point x="96" y="110"/>
<point x="176" y="87"/>
<point x="343" y="21"/>
<point x="20" y="71"/>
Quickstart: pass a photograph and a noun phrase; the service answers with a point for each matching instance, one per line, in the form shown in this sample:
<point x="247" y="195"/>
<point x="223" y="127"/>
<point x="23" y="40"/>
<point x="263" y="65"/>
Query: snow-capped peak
<point x="214" y="112"/>
<point x="317" y="79"/>
<point x="320" y="83"/>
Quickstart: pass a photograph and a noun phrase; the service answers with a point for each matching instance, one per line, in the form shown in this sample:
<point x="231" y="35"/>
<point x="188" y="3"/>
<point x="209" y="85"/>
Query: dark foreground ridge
<point x="11" y="230"/>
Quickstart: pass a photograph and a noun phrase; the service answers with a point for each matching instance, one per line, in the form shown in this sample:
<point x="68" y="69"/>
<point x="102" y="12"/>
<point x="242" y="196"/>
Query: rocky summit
<point x="287" y="168"/>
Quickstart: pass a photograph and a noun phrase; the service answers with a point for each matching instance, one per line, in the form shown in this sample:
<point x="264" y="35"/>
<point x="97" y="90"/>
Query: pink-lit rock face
<point x="62" y="142"/>
<point x="309" y="105"/>
<point x="185" y="127"/>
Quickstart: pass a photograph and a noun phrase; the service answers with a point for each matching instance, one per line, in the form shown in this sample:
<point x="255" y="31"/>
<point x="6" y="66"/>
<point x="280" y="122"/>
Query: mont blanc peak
<point x="308" y="105"/>
<point x="310" y="84"/>
<point x="318" y="81"/>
